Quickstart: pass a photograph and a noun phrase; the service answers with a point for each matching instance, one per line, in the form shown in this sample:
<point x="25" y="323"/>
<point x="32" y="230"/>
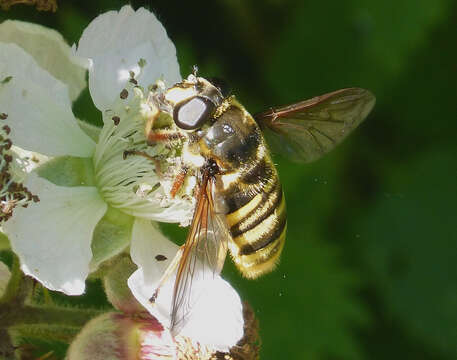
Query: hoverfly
<point x="240" y="204"/>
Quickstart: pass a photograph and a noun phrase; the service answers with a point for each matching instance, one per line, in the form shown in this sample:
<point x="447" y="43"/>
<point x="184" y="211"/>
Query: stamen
<point x="124" y="94"/>
<point x="12" y="192"/>
<point x="130" y="173"/>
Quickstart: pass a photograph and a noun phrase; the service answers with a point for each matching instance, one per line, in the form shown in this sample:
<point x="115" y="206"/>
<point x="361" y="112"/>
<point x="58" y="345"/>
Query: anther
<point x="161" y="257"/>
<point x="153" y="298"/>
<point x="126" y="153"/>
<point x="7" y="129"/>
<point x="124" y="94"/>
<point x="3" y="116"/>
<point x="142" y="63"/>
<point x="133" y="81"/>
<point x="116" y="120"/>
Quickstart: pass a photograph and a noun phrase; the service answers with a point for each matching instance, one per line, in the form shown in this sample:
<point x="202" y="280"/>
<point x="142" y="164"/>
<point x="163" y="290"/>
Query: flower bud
<point x="118" y="336"/>
<point x="116" y="289"/>
<point x="121" y="336"/>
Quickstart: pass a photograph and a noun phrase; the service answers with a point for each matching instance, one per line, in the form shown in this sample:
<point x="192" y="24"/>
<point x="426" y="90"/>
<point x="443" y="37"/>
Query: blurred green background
<point x="369" y="270"/>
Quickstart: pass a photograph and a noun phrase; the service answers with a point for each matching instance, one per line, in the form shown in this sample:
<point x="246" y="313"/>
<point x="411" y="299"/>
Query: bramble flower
<point x="94" y="201"/>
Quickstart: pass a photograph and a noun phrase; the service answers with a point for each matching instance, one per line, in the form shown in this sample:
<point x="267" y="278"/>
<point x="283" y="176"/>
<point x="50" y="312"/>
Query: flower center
<point x="130" y="174"/>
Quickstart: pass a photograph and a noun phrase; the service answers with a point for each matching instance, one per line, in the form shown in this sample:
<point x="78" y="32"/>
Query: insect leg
<point x="155" y="160"/>
<point x="179" y="181"/>
<point x="168" y="272"/>
<point x="140" y="153"/>
<point x="157" y="136"/>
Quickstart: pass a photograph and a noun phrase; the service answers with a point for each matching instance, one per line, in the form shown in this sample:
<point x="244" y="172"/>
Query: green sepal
<point x="90" y="130"/>
<point x="116" y="287"/>
<point x="14" y="284"/>
<point x="111" y="236"/>
<point x="68" y="171"/>
<point x="4" y="242"/>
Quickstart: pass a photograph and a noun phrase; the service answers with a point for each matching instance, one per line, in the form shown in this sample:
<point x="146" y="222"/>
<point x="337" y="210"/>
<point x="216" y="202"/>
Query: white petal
<point x="216" y="317"/>
<point x="53" y="237"/>
<point x="49" y="50"/>
<point x="115" y="42"/>
<point x="30" y="160"/>
<point x="148" y="242"/>
<point x="38" y="107"/>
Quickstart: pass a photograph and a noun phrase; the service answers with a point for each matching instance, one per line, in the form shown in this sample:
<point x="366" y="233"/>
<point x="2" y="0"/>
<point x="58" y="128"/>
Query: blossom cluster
<point x="79" y="198"/>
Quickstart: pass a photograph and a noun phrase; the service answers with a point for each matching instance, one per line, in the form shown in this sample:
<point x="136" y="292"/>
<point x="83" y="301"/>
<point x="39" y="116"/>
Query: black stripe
<point x="260" y="173"/>
<point x="266" y="239"/>
<point x="237" y="198"/>
<point x="235" y="229"/>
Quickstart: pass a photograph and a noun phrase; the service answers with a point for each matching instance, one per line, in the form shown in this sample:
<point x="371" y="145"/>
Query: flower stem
<point x="12" y="315"/>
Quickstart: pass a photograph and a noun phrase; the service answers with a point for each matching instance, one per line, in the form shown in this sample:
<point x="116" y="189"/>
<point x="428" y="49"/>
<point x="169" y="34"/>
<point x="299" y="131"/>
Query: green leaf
<point x="409" y="242"/>
<point x="46" y="332"/>
<point x="30" y="347"/>
<point x="68" y="171"/>
<point x="330" y="45"/>
<point x="307" y="308"/>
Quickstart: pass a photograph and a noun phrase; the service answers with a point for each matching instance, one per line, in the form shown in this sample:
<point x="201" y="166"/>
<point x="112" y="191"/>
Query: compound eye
<point x="192" y="114"/>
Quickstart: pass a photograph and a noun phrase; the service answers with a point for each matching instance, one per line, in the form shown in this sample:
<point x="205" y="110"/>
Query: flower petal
<point x="49" y="50"/>
<point x="38" y="107"/>
<point x="53" y="237"/>
<point x="115" y="42"/>
<point x="30" y="160"/>
<point x="216" y="317"/>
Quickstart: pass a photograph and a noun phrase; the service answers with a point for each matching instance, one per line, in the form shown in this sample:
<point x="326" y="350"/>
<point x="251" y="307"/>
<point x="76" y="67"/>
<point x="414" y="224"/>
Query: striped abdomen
<point x="250" y="190"/>
<point x="257" y="221"/>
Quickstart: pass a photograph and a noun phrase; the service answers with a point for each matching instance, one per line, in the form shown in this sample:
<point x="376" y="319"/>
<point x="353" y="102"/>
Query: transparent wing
<point x="306" y="130"/>
<point x="203" y="256"/>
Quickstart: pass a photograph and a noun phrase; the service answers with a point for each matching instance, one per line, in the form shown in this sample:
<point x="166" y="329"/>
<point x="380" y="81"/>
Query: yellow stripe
<point x="260" y="211"/>
<point x="268" y="224"/>
<point x="241" y="213"/>
<point x="262" y="261"/>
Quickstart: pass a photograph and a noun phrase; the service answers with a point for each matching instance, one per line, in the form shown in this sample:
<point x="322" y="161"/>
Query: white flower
<point x="213" y="301"/>
<point x="94" y="203"/>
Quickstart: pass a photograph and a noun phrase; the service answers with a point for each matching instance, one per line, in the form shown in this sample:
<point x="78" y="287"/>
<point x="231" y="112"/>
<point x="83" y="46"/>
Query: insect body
<point x="255" y="211"/>
<point x="240" y="204"/>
